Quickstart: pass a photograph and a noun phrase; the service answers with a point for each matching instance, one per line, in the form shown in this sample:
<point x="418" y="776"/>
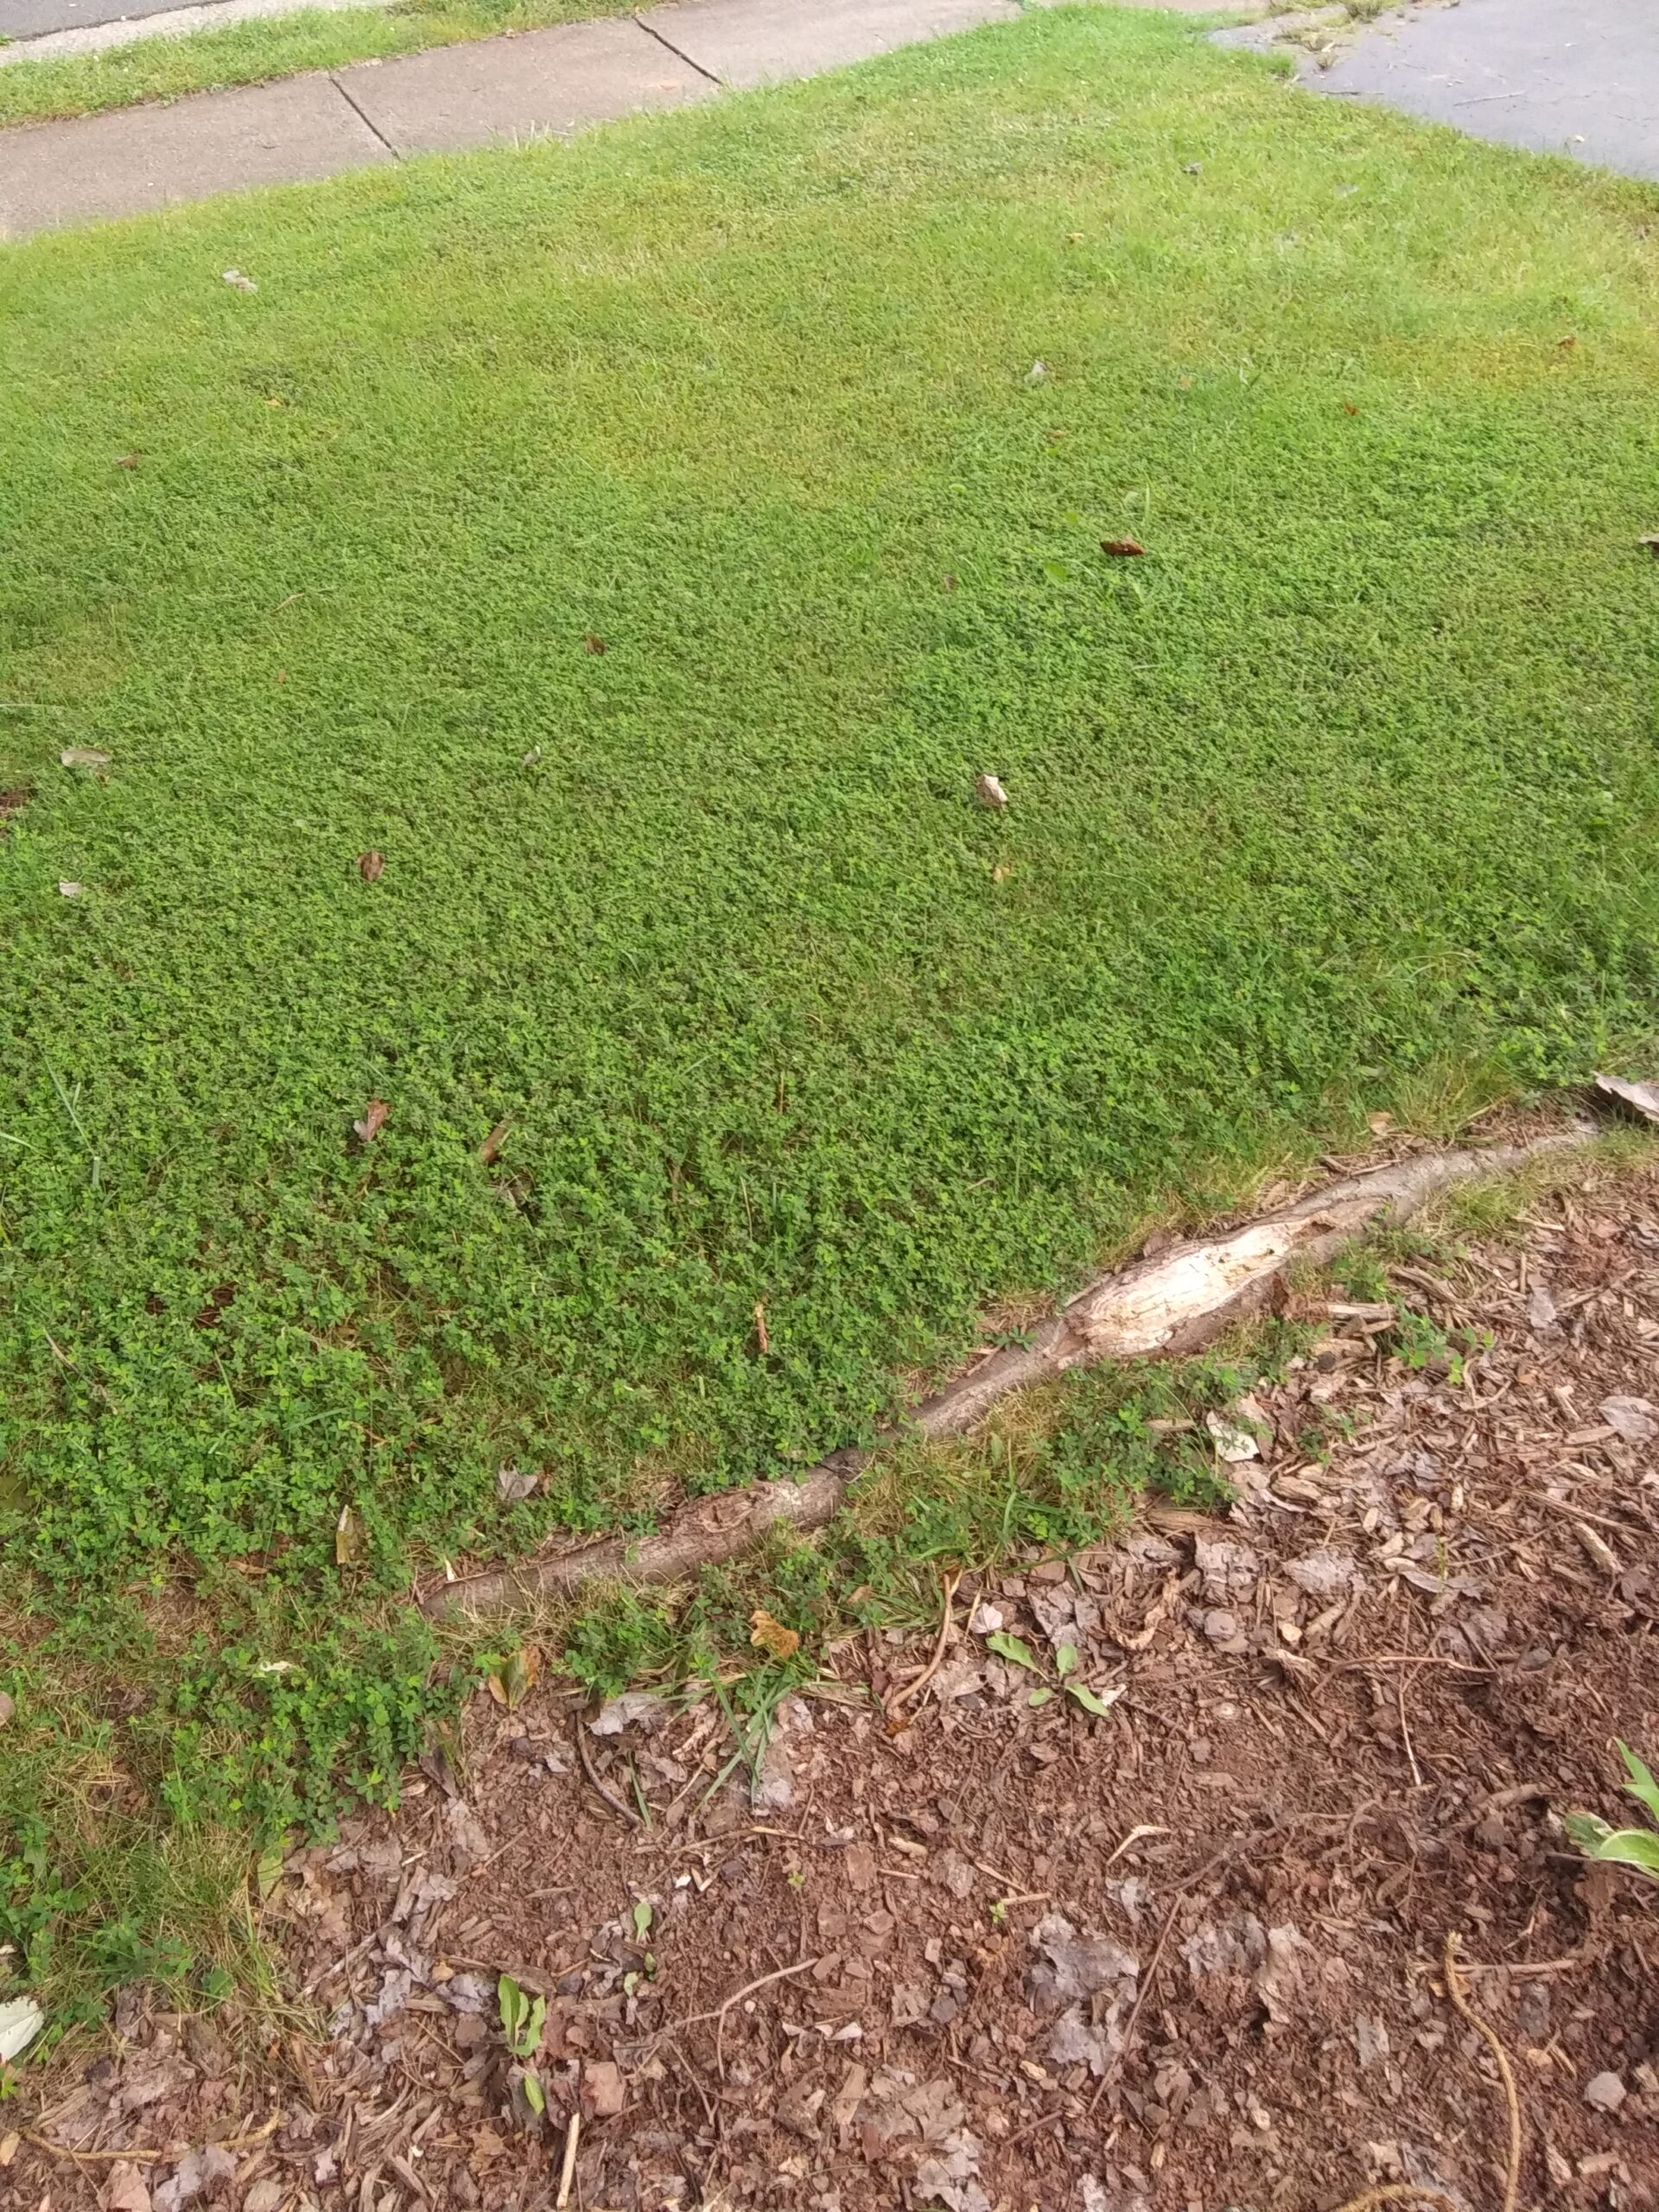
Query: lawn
<point x="643" y="545"/>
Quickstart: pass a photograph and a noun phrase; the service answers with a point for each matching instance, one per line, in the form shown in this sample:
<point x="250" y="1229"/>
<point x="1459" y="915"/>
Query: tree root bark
<point x="1158" y="1308"/>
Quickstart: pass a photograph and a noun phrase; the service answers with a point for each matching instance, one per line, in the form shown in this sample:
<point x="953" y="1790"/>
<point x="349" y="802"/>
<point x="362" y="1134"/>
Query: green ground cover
<point x="1342" y="796"/>
<point x="279" y="46"/>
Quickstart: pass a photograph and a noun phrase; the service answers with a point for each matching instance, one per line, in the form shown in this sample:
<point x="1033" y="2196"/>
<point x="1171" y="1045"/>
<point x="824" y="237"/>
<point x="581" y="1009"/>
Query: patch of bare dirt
<point x="1185" y="1954"/>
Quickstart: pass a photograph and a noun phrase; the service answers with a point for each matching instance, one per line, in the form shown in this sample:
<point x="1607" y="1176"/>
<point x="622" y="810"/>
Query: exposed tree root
<point x="1159" y="1308"/>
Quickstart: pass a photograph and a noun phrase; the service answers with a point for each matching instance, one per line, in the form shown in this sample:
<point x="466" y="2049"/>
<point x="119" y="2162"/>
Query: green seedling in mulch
<point x="523" y="2019"/>
<point x="1018" y="1653"/>
<point x="1638" y="1847"/>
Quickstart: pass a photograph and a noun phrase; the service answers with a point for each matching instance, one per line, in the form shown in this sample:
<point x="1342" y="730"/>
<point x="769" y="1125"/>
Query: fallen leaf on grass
<point x="239" y="282"/>
<point x="516" y="1680"/>
<point x="761" y="1337"/>
<point x="1651" y="541"/>
<point x="348" y="1536"/>
<point x="590" y="644"/>
<point x="772" y="1635"/>
<point x="990" y="791"/>
<point x="1037" y="372"/>
<point x="372" y="1123"/>
<point x="1234" y="1444"/>
<point x="1011" y="1649"/>
<point x="21" y="2021"/>
<point x="128" y="459"/>
<point x="1122" y="548"/>
<point x="8" y="1706"/>
<point x="371" y="867"/>
<point x="83" y="756"/>
<point x="488" y="1151"/>
<point x="68" y="890"/>
<point x="1379" y="1124"/>
<point x="512" y="1485"/>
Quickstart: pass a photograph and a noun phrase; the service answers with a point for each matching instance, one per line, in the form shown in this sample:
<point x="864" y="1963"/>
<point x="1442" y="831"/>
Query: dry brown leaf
<point x="773" y="1637"/>
<point x="516" y="1678"/>
<point x="371" y="867"/>
<point x="348" y="1536"/>
<point x="991" y="793"/>
<point x="761" y="1335"/>
<point x="128" y="459"/>
<point x="590" y="644"/>
<point x="1379" y="1124"/>
<point x="372" y="1123"/>
<point x="127" y="2191"/>
<point x="604" y="2092"/>
<point x="1122" y="548"/>
<point x="492" y="1145"/>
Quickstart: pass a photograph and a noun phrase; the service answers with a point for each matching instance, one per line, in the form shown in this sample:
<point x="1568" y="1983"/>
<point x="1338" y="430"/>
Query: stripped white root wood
<point x="1159" y="1308"/>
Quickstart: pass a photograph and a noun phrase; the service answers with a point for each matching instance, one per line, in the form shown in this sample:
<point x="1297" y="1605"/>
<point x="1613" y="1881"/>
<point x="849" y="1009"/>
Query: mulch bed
<point x="1189" y="1953"/>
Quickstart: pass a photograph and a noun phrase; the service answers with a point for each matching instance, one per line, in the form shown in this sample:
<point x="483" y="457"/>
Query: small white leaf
<point x="21" y="2021"/>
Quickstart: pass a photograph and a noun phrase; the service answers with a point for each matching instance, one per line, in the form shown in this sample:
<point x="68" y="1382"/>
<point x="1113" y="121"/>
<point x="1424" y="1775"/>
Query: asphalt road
<point x="1573" y="77"/>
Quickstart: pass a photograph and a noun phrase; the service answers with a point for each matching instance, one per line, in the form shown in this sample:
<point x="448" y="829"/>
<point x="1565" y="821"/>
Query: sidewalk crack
<point x="679" y="53"/>
<point x="366" y="120"/>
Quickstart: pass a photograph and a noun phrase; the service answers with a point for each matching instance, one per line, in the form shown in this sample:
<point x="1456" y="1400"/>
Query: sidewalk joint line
<point x="651" y="31"/>
<point x="368" y="121"/>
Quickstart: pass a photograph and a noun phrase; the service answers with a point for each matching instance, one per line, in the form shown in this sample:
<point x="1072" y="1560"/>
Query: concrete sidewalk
<point x="547" y="83"/>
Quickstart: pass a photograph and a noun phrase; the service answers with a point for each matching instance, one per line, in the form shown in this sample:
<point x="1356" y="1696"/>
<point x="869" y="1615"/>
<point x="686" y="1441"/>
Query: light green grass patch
<point x="1343" y="794"/>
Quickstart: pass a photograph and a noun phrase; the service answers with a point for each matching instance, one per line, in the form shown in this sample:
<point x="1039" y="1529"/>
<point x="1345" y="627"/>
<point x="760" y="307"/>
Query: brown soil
<point x="1186" y="1957"/>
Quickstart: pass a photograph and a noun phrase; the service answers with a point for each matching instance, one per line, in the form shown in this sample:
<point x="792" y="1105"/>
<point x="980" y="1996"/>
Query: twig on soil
<point x="624" y="1810"/>
<point x="140" y="2158"/>
<point x="1402" y="2192"/>
<point x="1168" y="1305"/>
<point x="340" y="1965"/>
<point x="1114" y="2063"/>
<point x="719" y="2013"/>
<point x="900" y="1698"/>
<point x="1134" y="1836"/>
<point x="1412" y="2192"/>
<point x="1405" y="1734"/>
<point x="1454" y="1990"/>
<point x="567" y="2171"/>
